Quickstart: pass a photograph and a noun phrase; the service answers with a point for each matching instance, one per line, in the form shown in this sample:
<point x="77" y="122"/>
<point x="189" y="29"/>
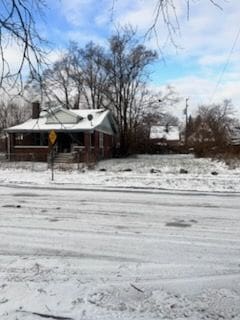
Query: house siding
<point x="29" y="153"/>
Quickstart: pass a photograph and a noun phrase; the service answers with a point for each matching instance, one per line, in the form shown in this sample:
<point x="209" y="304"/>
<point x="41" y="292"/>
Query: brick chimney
<point x="35" y="110"/>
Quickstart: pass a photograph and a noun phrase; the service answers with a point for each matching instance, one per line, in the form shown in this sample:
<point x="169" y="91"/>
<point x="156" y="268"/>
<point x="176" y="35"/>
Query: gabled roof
<point x="60" y="119"/>
<point x="63" y="116"/>
<point x="169" y="133"/>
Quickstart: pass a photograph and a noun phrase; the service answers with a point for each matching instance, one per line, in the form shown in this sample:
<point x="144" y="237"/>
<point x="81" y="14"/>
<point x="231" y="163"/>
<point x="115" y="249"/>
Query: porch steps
<point x="64" y="158"/>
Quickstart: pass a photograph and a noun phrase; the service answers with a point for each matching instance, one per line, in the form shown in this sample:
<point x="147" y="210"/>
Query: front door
<point x="64" y="142"/>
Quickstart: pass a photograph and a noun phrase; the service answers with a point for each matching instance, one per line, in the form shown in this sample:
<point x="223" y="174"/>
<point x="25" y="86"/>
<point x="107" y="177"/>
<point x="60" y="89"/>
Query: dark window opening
<point x="40" y="139"/>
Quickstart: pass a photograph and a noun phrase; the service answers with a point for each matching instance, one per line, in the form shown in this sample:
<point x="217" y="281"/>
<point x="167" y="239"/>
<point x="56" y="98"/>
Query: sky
<point x="203" y="64"/>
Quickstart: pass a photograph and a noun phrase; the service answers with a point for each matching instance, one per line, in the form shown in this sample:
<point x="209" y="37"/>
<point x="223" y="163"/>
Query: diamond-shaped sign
<point x="52" y="136"/>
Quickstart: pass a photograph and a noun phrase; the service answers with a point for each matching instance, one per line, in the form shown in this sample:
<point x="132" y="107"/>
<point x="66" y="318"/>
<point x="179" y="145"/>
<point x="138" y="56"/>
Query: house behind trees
<point x="164" y="138"/>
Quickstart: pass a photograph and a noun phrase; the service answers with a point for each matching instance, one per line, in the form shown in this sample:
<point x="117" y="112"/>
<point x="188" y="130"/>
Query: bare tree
<point x="126" y="68"/>
<point x="166" y="13"/>
<point x="169" y="120"/>
<point x="76" y="74"/>
<point x="12" y="113"/>
<point x="94" y="75"/>
<point x="56" y="82"/>
<point x="211" y="128"/>
<point x="18" y="27"/>
<point x="63" y="82"/>
<point x="155" y="110"/>
<point x="78" y="79"/>
<point x="111" y="78"/>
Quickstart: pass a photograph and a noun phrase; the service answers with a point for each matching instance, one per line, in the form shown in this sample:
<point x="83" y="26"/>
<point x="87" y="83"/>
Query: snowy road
<point x="118" y="255"/>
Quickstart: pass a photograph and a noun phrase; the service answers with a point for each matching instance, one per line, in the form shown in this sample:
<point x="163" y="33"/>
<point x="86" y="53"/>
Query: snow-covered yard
<point x="123" y="248"/>
<point x="143" y="171"/>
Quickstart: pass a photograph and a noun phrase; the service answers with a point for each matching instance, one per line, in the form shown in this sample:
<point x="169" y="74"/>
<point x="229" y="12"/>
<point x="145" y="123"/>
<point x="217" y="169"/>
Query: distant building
<point x="84" y="135"/>
<point x="168" y="136"/>
<point x="235" y="136"/>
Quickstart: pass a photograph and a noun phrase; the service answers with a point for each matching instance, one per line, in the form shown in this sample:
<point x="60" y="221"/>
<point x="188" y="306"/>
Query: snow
<point x="170" y="133"/>
<point x="104" y="245"/>
<point x="143" y="171"/>
<point x="42" y="124"/>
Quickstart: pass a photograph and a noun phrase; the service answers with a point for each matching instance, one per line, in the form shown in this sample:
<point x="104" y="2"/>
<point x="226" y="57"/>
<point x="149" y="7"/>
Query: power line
<point x="226" y="65"/>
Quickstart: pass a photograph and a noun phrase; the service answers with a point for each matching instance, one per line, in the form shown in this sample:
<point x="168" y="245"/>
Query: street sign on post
<point x="52" y="138"/>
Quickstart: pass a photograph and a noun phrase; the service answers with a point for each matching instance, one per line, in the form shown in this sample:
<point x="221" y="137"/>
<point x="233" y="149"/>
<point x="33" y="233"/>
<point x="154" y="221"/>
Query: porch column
<point x="11" y="144"/>
<point x="87" y="145"/>
<point x="107" y="146"/>
<point x="96" y="146"/>
<point x="8" y="145"/>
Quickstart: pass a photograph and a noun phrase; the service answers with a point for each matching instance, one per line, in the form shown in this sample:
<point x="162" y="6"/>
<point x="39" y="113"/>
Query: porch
<point x="69" y="147"/>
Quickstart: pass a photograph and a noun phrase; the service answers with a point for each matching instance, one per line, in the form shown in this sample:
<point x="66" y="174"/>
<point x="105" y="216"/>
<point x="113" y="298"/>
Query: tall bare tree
<point x="63" y="81"/>
<point x="94" y="75"/>
<point x="113" y="78"/>
<point x="126" y="65"/>
<point x="18" y="27"/>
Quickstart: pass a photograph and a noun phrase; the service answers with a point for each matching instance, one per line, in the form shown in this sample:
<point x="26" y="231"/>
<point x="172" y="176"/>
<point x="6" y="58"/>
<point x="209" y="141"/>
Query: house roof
<point x="169" y="133"/>
<point x="60" y="119"/>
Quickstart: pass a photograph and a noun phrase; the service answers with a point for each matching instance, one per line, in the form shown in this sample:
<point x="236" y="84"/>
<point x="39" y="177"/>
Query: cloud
<point x="140" y="16"/>
<point x="202" y="90"/>
<point x="218" y="59"/>
<point x="13" y="55"/>
<point x="54" y="55"/>
<point x="87" y="14"/>
<point x="15" y="61"/>
<point x="199" y="90"/>
<point x="82" y="38"/>
<point x="204" y="40"/>
<point x="209" y="30"/>
<point x="77" y="12"/>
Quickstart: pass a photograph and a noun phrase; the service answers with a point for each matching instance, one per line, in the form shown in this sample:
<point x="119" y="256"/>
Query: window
<point x="43" y="139"/>
<point x="36" y="139"/>
<point x="19" y="136"/>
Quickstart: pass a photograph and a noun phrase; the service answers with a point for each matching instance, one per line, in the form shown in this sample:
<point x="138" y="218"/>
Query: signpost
<point x="52" y="139"/>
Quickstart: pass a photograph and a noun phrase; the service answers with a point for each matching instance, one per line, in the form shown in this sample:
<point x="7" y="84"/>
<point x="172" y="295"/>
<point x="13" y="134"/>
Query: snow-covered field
<point x="143" y="171"/>
<point x="124" y="248"/>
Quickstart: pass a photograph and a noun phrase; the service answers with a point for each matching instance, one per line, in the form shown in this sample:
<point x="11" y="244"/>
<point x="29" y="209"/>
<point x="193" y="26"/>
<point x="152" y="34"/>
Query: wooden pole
<point x="52" y="163"/>
<point x="186" y="128"/>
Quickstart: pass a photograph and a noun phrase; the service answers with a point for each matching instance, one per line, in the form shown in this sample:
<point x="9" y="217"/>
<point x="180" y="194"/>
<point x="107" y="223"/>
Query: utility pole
<point x="186" y="119"/>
